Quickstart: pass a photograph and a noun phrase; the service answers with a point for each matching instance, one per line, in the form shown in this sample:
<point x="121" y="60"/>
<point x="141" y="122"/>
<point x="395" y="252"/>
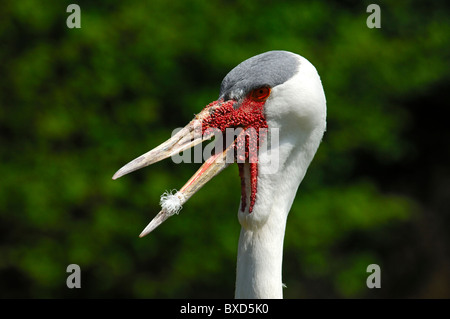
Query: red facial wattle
<point x="248" y="114"/>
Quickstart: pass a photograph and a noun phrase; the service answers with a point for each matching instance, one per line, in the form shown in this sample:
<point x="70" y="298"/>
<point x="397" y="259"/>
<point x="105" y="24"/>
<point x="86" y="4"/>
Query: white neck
<point x="260" y="250"/>
<point x="259" y="262"/>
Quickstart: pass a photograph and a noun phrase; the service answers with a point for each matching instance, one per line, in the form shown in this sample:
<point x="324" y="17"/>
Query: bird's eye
<point x="260" y="94"/>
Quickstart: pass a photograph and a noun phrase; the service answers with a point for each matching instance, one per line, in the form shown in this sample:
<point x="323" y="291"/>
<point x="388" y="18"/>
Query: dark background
<point x="77" y="104"/>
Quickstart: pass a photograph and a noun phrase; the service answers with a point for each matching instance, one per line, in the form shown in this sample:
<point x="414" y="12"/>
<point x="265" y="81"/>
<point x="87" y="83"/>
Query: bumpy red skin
<point x="248" y="115"/>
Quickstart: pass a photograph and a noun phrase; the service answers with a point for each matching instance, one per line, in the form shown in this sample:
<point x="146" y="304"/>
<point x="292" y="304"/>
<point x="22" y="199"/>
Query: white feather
<point x="172" y="203"/>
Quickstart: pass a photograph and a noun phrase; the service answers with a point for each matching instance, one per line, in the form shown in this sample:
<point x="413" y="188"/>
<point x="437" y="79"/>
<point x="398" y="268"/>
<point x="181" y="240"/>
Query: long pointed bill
<point x="172" y="203"/>
<point x="189" y="136"/>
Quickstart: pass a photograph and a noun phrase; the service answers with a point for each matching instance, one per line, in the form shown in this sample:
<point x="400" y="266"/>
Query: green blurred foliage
<point x="77" y="104"/>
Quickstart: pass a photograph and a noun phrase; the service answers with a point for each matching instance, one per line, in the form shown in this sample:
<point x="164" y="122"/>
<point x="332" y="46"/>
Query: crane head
<point x="254" y="97"/>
